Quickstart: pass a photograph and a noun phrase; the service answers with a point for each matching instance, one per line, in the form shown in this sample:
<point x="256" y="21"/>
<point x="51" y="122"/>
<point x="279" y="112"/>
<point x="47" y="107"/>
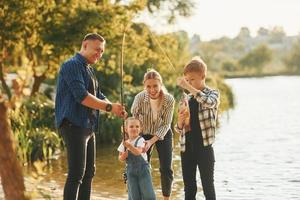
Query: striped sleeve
<point x="167" y="116"/>
<point x="136" y="105"/>
<point x="72" y="75"/>
<point x="210" y="99"/>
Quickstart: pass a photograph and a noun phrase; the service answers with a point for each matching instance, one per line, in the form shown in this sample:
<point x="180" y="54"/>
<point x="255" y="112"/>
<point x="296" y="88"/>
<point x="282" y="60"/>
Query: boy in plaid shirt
<point x="197" y="128"/>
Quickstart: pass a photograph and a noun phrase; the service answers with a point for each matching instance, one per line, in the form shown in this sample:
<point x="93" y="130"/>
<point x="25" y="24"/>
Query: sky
<point x="213" y="19"/>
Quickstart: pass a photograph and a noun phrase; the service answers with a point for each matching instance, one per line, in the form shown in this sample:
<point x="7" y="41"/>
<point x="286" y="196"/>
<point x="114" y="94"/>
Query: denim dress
<point x="139" y="177"/>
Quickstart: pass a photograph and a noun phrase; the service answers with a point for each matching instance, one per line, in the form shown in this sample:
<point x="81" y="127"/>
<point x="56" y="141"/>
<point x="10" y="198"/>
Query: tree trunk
<point x="10" y="168"/>
<point x="4" y="85"/>
<point x="38" y="80"/>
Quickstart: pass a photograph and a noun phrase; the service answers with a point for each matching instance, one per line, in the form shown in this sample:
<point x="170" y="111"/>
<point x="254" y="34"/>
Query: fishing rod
<point x="122" y="94"/>
<point x="160" y="47"/>
<point x="122" y="82"/>
<point x="165" y="54"/>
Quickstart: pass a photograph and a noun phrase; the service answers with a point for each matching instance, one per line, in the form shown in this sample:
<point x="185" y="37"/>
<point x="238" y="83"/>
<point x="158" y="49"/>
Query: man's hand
<point x="119" y="110"/>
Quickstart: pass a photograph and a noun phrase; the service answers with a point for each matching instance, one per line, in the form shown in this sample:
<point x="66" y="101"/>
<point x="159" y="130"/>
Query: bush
<point x="34" y="130"/>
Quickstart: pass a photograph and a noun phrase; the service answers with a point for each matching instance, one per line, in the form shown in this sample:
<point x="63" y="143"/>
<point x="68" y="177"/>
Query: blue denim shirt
<point x="72" y="87"/>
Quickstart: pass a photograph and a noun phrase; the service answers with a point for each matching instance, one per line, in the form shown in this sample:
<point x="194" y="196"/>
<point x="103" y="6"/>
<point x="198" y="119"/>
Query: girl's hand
<point x="123" y="155"/>
<point x="126" y="144"/>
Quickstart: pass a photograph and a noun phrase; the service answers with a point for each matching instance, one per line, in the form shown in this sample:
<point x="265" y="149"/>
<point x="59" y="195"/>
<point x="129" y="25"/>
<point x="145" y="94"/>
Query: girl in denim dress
<point x="139" y="181"/>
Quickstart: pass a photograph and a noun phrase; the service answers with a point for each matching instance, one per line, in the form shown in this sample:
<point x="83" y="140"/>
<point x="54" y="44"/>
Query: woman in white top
<point x="154" y="108"/>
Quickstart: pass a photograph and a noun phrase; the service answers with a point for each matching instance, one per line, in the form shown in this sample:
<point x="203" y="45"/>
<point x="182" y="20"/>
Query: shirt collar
<point x="81" y="59"/>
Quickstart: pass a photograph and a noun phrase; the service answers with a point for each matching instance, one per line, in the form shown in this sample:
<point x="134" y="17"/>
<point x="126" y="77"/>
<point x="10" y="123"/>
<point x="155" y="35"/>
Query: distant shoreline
<point x="232" y="76"/>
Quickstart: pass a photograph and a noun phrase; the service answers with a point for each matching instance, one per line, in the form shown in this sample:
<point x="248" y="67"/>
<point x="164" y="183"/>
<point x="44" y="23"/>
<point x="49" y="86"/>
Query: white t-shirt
<point x="154" y="107"/>
<point x="140" y="143"/>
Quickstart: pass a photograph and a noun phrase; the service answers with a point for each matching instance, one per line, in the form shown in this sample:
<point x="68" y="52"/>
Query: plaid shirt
<point x="141" y="109"/>
<point x="209" y="100"/>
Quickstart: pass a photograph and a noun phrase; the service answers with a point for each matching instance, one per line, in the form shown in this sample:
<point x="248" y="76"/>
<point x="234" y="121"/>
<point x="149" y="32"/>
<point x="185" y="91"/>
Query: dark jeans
<point x="204" y="159"/>
<point x="81" y="152"/>
<point x="164" y="150"/>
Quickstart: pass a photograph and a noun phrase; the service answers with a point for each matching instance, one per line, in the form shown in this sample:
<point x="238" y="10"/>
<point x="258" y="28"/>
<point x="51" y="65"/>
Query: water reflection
<point x="108" y="182"/>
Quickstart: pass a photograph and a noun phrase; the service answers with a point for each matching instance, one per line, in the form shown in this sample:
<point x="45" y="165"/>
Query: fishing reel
<point x="124" y="175"/>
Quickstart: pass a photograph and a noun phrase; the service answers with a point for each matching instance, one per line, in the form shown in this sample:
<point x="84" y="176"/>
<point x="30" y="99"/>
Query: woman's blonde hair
<point x="153" y="74"/>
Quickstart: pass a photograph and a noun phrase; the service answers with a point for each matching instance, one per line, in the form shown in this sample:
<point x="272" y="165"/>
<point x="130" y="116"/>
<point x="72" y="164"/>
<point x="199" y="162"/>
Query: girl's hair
<point x="195" y="65"/>
<point x="132" y="119"/>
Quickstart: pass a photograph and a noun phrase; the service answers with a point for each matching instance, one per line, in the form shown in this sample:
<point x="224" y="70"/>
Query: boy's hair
<point x="196" y="65"/>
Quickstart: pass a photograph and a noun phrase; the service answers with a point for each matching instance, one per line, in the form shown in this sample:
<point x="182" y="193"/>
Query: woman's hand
<point x="149" y="143"/>
<point x="147" y="146"/>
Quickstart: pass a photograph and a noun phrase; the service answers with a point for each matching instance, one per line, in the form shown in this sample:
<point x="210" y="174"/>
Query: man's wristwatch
<point x="108" y="107"/>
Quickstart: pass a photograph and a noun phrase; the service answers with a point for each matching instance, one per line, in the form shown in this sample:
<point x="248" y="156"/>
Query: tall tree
<point x="277" y="34"/>
<point x="257" y="58"/>
<point x="11" y="18"/>
<point x="292" y="60"/>
<point x="175" y="8"/>
<point x="244" y="33"/>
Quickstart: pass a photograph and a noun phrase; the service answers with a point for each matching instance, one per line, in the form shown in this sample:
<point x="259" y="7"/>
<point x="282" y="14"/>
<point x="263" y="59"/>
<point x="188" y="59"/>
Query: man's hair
<point x="195" y="65"/>
<point x="93" y="36"/>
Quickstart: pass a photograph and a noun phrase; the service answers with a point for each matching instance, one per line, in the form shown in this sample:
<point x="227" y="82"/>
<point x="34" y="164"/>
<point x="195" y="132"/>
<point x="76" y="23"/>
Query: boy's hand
<point x="181" y="82"/>
<point x="181" y="118"/>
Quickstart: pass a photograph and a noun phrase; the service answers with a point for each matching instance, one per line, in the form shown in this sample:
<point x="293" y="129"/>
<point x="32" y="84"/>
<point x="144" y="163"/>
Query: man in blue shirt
<point x="77" y="104"/>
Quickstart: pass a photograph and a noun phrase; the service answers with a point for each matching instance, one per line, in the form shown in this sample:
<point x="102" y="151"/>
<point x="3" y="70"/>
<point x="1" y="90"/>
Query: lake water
<point x="257" y="150"/>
